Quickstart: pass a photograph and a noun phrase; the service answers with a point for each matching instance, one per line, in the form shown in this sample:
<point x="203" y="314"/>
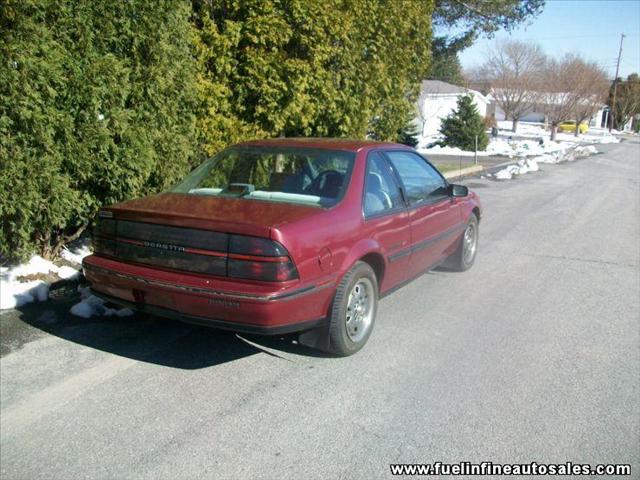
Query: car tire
<point x="463" y="258"/>
<point x="353" y="311"/>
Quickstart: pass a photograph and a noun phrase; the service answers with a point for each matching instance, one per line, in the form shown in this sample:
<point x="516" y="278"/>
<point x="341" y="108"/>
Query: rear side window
<point x="381" y="190"/>
<point x="421" y="181"/>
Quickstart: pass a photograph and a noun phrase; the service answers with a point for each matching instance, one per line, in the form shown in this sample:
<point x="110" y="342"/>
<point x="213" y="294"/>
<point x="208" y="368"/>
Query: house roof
<point x="436" y="88"/>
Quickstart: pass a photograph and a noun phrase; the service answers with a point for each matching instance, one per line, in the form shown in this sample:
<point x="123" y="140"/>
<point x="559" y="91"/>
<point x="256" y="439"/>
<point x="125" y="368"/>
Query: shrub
<point x="308" y="68"/>
<point x="96" y="106"/>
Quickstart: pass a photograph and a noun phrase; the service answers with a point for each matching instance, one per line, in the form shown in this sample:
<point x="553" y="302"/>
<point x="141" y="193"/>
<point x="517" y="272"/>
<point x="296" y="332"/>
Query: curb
<point x="463" y="172"/>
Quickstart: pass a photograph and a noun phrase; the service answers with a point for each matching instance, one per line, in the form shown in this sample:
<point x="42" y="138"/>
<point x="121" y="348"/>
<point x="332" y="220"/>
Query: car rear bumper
<point x="210" y="322"/>
<point x="263" y="309"/>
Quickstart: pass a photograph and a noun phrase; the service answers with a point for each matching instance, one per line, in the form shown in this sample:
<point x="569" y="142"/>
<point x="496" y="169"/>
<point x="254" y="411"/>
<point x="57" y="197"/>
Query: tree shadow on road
<point x="153" y="339"/>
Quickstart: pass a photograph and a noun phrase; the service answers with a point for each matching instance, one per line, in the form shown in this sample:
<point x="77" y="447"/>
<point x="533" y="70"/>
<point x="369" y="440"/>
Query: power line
<point x="581" y="36"/>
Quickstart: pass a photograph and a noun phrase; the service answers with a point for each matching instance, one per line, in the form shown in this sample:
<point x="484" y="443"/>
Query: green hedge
<point x="104" y="101"/>
<point x="96" y="105"/>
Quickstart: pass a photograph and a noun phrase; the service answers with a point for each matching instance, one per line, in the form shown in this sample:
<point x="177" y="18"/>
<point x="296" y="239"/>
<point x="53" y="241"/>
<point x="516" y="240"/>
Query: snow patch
<point x="523" y="166"/>
<point x="77" y="252"/>
<point x="90" y="306"/>
<point x="16" y="291"/>
<point x="438" y="150"/>
<point x="504" y="174"/>
<point x="538" y="130"/>
<point x="527" y="165"/>
<point x="548" y="158"/>
<point x="537" y="142"/>
<point x="504" y="147"/>
<point x="586" y="151"/>
<point x="67" y="273"/>
<point x="16" y="294"/>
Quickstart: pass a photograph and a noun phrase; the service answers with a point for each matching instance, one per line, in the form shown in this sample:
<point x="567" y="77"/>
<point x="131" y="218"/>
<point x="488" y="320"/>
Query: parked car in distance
<point x="286" y="235"/>
<point x="570" y="127"/>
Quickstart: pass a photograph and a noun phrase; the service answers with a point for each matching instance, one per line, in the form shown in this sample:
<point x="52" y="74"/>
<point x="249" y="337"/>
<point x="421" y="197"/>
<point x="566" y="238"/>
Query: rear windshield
<point x="291" y="175"/>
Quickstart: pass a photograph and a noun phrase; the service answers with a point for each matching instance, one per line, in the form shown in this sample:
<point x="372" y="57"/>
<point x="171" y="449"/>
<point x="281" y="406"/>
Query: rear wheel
<point x="353" y="312"/>
<point x="465" y="255"/>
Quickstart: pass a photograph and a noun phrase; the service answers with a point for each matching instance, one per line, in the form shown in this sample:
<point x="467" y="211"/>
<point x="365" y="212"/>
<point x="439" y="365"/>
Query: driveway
<point x="533" y="355"/>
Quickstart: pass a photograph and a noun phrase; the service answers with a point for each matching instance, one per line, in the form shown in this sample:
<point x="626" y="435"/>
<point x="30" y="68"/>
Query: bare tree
<point x="513" y="70"/>
<point x="590" y="88"/>
<point x="558" y="84"/>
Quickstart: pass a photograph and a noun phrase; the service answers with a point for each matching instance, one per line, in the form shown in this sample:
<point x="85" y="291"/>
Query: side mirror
<point x="458" y="190"/>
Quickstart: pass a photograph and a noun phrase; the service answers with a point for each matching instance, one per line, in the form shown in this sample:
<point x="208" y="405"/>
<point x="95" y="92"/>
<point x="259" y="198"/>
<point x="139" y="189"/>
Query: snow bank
<point x="548" y="158"/>
<point x="90" y="306"/>
<point x="523" y="166"/>
<point x="527" y="165"/>
<point x="438" y="150"/>
<point x="504" y="147"/>
<point x="586" y="151"/>
<point x="538" y="130"/>
<point x="15" y="294"/>
<point x="16" y="290"/>
<point x="608" y="139"/>
<point x="507" y="173"/>
<point x="540" y="143"/>
<point x="525" y="148"/>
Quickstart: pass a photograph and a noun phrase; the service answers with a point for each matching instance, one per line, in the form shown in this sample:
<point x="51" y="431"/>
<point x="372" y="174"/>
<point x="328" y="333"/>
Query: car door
<point x="434" y="216"/>
<point x="386" y="219"/>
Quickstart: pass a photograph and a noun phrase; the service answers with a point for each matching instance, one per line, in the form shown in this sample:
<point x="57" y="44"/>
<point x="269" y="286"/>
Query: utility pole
<point x="615" y="86"/>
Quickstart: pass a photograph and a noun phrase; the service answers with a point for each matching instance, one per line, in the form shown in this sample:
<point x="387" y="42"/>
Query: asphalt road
<point x="533" y="355"/>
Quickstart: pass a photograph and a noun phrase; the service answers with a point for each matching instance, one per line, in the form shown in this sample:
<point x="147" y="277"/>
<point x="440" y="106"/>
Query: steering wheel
<point x="317" y="184"/>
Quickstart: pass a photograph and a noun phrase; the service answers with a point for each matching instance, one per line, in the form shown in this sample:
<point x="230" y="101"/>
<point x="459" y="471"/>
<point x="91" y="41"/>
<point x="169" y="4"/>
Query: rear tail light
<point x="103" y="235"/>
<point x="259" y="270"/>
<point x="256" y="246"/>
<point x="216" y="253"/>
<point x="104" y="246"/>
<point x="259" y="259"/>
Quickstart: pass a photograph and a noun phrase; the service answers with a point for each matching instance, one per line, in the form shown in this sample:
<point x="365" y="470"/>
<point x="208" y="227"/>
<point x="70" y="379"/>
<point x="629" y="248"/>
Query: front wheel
<point x="465" y="255"/>
<point x="353" y="312"/>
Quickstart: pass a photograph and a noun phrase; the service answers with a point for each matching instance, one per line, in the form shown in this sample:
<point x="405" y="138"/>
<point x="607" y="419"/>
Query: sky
<point x="590" y="28"/>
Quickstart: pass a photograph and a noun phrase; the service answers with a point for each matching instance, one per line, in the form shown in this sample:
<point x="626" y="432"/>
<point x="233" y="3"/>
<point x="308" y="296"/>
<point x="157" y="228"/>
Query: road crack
<point x="577" y="259"/>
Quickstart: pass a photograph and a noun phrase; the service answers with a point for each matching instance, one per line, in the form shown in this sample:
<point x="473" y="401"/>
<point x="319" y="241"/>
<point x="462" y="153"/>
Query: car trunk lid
<point x="201" y="234"/>
<point x="223" y="214"/>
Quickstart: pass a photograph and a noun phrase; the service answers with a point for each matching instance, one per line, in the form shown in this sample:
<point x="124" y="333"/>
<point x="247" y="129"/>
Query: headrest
<point x="374" y="181"/>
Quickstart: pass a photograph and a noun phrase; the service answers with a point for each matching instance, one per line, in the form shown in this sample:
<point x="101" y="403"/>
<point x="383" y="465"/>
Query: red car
<point x="286" y="235"/>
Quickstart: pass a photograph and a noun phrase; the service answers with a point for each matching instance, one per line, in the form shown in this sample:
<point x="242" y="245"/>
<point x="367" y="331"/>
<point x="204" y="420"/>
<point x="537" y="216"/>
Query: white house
<point x="438" y="99"/>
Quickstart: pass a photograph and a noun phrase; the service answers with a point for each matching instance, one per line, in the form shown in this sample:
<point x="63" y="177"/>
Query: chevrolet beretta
<point x="286" y="235"/>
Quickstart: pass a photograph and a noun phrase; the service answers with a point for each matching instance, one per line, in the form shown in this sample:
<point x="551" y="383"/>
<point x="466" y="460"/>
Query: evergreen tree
<point x="408" y="134"/>
<point x="96" y="106"/>
<point x="301" y="68"/>
<point x="445" y="64"/>
<point x="104" y="101"/>
<point x="462" y="126"/>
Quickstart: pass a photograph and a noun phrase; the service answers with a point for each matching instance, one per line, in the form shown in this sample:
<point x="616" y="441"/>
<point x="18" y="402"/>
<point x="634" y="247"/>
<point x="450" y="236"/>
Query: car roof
<point x="324" y="143"/>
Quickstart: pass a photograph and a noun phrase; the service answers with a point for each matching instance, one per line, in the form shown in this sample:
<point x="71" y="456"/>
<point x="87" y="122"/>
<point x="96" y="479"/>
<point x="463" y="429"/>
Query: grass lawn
<point x="448" y="167"/>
